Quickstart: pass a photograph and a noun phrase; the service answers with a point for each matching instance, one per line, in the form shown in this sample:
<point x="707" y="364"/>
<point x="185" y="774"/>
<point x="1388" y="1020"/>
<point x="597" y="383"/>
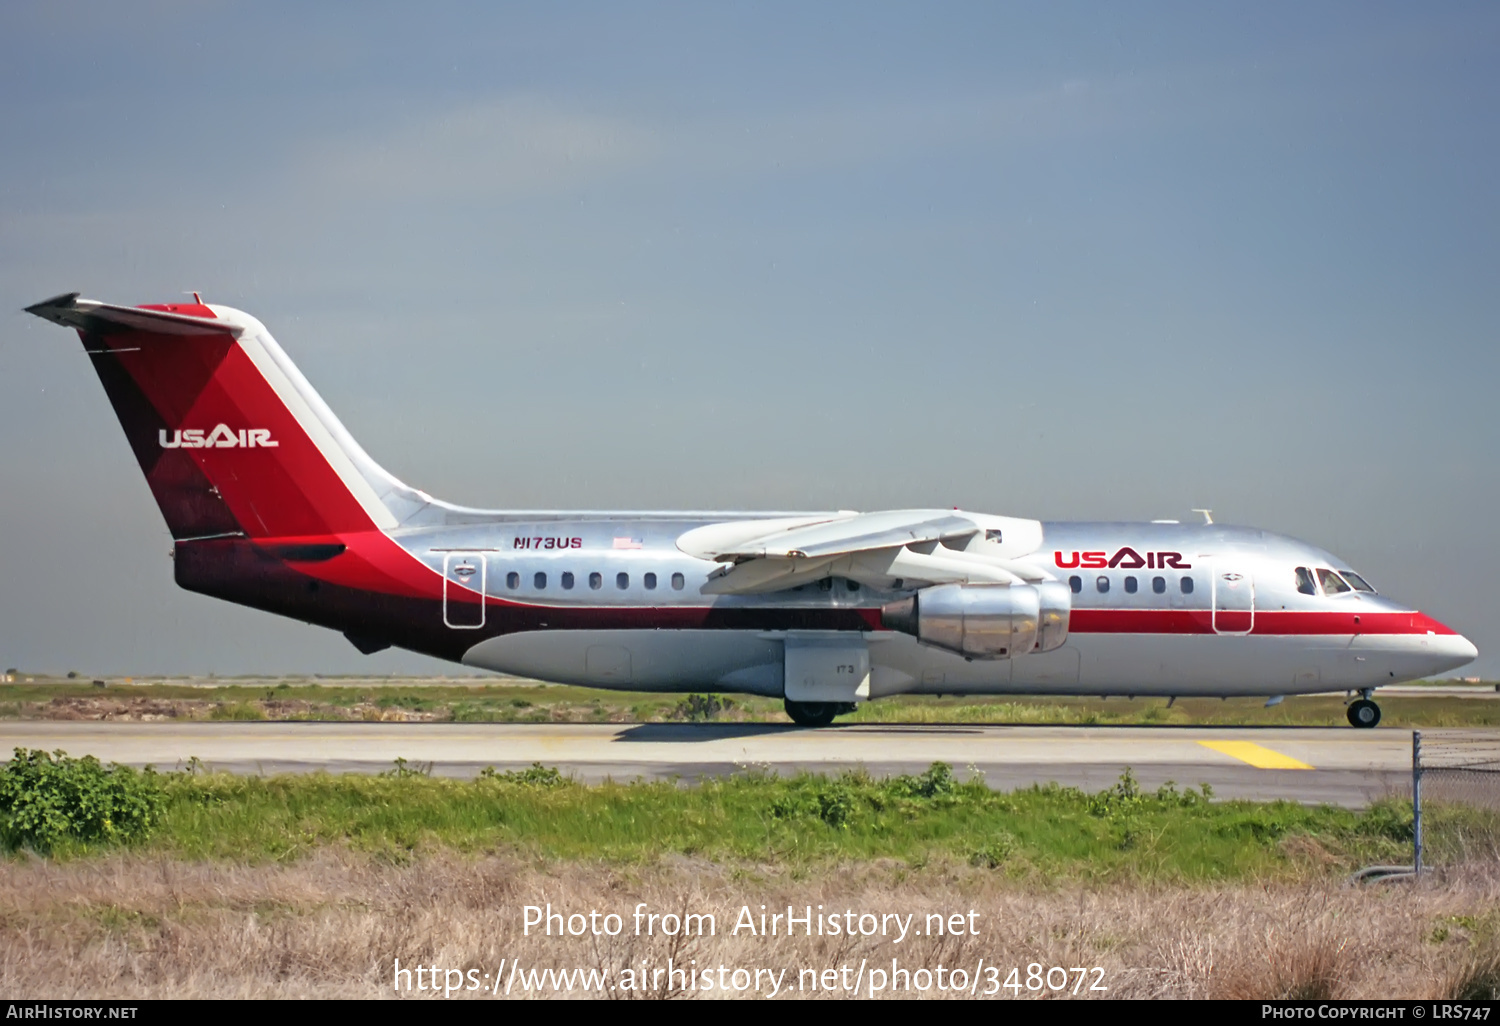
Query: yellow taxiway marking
<point x="1255" y="755"/>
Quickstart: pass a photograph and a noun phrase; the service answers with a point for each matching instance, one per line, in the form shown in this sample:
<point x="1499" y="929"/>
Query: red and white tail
<point x="230" y="435"/>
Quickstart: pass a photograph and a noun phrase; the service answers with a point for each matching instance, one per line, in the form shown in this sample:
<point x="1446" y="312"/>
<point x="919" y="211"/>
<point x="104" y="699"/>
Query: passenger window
<point x="622" y="581"/>
<point x="852" y="585"/>
<point x="1076" y="583"/>
<point x="540" y="580"/>
<point x="596" y="580"/>
<point x="649" y="581"/>
<point x="826" y="584"/>
<point x="512" y="580"/>
<point x="1159" y="585"/>
<point x="1332" y="583"/>
<point x="677" y="582"/>
<point x="1305" y="581"/>
<point x="567" y="580"/>
<point x="1130" y="585"/>
<point x="991" y="534"/>
<point x="1187" y="585"/>
<point x="1359" y="582"/>
<point x="1102" y="584"/>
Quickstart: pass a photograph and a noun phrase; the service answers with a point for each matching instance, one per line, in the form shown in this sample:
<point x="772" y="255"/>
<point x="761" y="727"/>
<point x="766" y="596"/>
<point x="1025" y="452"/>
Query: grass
<point x="802" y="824"/>
<point x="331" y="926"/>
<point x="311" y="885"/>
<point x="1298" y="711"/>
<point x="480" y="700"/>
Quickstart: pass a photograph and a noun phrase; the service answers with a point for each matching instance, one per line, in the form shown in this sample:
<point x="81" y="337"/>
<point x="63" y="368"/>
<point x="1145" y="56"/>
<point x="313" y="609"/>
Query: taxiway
<point x="1336" y="765"/>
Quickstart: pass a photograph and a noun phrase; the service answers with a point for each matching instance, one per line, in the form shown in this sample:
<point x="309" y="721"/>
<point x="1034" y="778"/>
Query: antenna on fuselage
<point x="1208" y="515"/>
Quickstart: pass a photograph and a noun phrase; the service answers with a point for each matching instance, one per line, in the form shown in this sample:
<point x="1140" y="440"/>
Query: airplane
<point x="272" y="504"/>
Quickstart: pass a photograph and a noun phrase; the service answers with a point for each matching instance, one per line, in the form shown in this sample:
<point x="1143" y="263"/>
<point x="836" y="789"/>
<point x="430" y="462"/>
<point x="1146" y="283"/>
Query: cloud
<point x="514" y="146"/>
<point x="501" y="148"/>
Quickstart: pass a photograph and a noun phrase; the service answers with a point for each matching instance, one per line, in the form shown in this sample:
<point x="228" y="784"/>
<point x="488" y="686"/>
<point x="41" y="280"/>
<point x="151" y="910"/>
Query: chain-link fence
<point x="1455" y="797"/>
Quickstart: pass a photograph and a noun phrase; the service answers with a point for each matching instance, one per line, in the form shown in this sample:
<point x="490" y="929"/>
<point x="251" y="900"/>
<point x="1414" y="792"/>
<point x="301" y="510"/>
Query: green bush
<point x="836" y="804"/>
<point x="1121" y="799"/>
<point x="837" y="801"/>
<point x="535" y="775"/>
<point x="937" y="782"/>
<point x="701" y="708"/>
<point x="401" y="769"/>
<point x="46" y="799"/>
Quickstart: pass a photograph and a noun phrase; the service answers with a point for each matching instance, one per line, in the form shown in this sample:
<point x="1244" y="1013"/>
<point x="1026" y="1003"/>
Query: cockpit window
<point x="1332" y="583"/>
<point x="1359" y="583"/>
<point x="1305" y="581"/>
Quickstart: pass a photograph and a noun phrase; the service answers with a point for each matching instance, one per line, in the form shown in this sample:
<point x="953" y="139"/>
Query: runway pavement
<point x="1314" y="764"/>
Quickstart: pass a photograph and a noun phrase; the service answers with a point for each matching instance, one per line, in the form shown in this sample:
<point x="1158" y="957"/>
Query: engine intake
<point x="985" y="621"/>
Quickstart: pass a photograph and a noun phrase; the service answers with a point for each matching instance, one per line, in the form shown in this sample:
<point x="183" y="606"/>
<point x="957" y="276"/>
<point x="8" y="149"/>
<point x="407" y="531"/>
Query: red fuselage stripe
<point x="1267" y="622"/>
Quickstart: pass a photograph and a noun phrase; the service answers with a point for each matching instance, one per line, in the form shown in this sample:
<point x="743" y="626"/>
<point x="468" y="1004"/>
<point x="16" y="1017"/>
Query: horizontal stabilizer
<point x="96" y="318"/>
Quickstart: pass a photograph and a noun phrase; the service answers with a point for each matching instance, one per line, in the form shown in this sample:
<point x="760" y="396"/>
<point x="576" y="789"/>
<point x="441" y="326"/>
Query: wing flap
<point x="722" y="541"/>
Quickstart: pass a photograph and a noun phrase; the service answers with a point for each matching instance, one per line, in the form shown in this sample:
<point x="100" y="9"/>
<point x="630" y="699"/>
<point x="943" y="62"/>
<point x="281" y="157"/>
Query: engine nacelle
<point x="985" y="621"/>
<point x="1054" y="608"/>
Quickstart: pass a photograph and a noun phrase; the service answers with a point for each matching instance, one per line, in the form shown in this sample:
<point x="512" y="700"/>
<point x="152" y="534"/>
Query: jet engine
<point x="985" y="621"/>
<point x="1054" y="607"/>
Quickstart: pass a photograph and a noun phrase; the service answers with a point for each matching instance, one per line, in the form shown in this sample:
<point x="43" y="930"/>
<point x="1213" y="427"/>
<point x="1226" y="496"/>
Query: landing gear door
<point x="1234" y="601"/>
<point x="827" y="669"/>
<point x="464" y="584"/>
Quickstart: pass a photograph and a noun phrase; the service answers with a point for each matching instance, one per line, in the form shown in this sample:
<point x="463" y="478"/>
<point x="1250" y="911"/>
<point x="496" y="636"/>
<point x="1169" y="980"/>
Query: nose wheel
<point x="1363" y="713"/>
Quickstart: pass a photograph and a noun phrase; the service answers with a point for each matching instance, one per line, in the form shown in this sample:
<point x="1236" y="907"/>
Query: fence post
<point x="1416" y="801"/>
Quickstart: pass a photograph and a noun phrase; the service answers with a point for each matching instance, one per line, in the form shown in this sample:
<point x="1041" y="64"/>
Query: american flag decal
<point x="628" y="543"/>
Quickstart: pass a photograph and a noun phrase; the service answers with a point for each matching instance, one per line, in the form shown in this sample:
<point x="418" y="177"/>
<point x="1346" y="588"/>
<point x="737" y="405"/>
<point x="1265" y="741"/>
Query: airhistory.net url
<point x="511" y="978"/>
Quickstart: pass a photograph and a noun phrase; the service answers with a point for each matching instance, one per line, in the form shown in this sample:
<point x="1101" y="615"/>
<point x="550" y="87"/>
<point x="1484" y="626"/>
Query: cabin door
<point x="463" y="589"/>
<point x="1234" y="601"/>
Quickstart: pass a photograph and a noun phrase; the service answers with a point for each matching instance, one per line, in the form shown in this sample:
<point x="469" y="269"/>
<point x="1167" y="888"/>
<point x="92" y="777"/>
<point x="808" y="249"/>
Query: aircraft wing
<point x="882" y="550"/>
<point x="804" y="539"/>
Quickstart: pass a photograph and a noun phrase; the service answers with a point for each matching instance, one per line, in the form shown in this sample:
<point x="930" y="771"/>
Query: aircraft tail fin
<point x="232" y="438"/>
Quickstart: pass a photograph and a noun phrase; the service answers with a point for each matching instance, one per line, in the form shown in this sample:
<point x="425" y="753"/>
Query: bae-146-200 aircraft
<point x="272" y="504"/>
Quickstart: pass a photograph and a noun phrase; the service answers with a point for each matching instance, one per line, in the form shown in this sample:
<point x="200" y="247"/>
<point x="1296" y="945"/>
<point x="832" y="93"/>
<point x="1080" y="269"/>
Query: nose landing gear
<point x="1362" y="712"/>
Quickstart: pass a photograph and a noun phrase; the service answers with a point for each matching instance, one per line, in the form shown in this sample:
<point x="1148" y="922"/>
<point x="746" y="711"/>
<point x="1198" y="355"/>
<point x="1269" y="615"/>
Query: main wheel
<point x="811" y="714"/>
<point x="1363" y="713"/>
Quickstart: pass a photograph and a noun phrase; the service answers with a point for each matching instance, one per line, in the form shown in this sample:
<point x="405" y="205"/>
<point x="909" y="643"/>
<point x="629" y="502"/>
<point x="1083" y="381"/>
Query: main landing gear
<point x="1362" y="712"/>
<point x="815" y="714"/>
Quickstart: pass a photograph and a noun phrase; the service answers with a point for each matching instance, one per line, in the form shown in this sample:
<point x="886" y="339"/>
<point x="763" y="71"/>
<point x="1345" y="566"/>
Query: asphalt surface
<point x="1340" y="766"/>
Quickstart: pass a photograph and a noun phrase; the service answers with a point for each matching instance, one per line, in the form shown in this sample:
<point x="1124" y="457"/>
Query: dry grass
<point x="329" y="926"/>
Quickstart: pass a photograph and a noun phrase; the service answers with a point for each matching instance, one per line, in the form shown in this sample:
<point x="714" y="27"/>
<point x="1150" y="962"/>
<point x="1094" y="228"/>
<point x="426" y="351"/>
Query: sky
<point x="1066" y="261"/>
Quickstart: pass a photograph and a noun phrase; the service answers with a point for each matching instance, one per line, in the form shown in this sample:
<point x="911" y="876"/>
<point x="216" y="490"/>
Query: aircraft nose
<point x="1465" y="648"/>
<point x="1436" y="648"/>
<point x="1447" y="648"/>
